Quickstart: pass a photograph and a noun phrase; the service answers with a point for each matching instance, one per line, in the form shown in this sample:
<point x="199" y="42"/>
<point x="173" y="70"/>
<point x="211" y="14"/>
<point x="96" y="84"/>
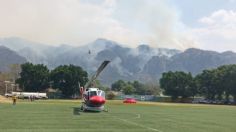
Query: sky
<point x="179" y="24"/>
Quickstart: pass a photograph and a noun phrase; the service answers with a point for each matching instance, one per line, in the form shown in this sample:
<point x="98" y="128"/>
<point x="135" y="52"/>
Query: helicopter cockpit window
<point x="101" y="93"/>
<point x="92" y="93"/>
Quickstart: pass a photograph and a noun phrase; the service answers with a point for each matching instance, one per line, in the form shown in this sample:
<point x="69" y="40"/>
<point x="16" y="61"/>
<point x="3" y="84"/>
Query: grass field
<point x="58" y="116"/>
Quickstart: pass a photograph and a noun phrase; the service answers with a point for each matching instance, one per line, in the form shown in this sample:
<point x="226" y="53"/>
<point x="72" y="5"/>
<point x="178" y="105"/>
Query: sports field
<point x="59" y="116"/>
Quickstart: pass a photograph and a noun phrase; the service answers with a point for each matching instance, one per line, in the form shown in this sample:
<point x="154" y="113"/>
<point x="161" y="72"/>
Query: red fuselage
<point x="97" y="100"/>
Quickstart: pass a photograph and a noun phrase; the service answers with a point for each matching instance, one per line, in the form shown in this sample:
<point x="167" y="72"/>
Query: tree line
<point x="213" y="84"/>
<point x="135" y="87"/>
<point x="66" y="78"/>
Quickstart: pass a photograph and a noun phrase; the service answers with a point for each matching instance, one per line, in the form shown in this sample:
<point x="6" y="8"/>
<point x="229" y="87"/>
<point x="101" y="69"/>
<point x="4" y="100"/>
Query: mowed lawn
<point x="59" y="116"/>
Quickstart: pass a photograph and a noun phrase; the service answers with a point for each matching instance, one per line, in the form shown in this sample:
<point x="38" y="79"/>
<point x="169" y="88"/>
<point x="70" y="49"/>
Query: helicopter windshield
<point x="92" y="93"/>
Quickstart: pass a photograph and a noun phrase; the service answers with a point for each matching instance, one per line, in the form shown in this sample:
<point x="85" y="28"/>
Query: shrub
<point x="110" y="95"/>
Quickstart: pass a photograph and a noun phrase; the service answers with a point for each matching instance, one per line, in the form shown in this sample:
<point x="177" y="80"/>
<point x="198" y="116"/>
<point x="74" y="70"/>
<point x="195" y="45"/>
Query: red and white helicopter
<point x="93" y="98"/>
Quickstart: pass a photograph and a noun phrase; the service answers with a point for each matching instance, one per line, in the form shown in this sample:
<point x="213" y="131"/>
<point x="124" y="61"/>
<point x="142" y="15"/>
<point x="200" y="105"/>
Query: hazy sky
<point x="205" y="24"/>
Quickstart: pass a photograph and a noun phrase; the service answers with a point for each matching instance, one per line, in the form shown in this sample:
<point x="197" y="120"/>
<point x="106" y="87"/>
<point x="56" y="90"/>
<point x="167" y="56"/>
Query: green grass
<point x="57" y="116"/>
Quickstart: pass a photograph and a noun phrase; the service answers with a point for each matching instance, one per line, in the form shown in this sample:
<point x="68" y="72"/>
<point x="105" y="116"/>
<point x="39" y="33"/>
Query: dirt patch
<point x="4" y="99"/>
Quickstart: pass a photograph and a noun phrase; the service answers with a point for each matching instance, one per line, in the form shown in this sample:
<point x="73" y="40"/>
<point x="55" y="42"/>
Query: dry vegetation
<point x="4" y="99"/>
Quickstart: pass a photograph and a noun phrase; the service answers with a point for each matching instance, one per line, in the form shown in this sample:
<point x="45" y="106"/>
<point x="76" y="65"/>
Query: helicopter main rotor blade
<point x="102" y="66"/>
<point x="100" y="69"/>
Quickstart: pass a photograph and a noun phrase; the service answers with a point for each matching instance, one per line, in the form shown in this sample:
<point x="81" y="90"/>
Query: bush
<point x="110" y="95"/>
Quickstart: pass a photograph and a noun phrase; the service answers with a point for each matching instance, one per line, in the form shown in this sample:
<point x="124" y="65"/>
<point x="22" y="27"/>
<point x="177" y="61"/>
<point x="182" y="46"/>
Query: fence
<point x="145" y="98"/>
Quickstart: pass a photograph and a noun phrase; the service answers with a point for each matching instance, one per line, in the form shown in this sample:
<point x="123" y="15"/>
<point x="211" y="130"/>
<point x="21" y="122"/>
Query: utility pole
<point x="12" y="87"/>
<point x="6" y="84"/>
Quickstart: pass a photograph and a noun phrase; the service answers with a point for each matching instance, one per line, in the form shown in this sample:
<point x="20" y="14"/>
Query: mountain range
<point x="143" y="63"/>
<point x="8" y="57"/>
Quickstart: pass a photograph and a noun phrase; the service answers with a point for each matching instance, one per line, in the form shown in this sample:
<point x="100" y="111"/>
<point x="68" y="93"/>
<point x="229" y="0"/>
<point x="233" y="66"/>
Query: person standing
<point x="14" y="99"/>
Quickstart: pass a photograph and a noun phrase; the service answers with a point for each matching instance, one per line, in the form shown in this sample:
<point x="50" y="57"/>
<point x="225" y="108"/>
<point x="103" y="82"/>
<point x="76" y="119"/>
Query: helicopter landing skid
<point x="84" y="107"/>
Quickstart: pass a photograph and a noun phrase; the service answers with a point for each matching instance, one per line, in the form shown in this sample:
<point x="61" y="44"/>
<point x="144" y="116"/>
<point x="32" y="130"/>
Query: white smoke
<point x="166" y="29"/>
<point x="80" y="22"/>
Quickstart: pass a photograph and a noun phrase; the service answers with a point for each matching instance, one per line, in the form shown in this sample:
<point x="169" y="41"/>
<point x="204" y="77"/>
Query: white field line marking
<point x="138" y="116"/>
<point x="136" y="124"/>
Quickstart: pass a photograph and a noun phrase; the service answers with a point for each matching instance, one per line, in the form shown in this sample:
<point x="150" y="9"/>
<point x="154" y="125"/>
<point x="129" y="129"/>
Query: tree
<point x="34" y="78"/>
<point x="110" y="95"/>
<point x="220" y="74"/>
<point x="68" y="78"/>
<point x="224" y="84"/>
<point x="118" y="85"/>
<point x="167" y="83"/>
<point x="206" y="83"/>
<point x="128" y="89"/>
<point x="151" y="88"/>
<point x="177" y="84"/>
<point x="228" y="80"/>
<point x="193" y="89"/>
<point x="139" y="88"/>
<point x="135" y="87"/>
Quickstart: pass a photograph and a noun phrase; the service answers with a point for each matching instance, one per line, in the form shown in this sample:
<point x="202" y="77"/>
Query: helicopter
<point x="93" y="98"/>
